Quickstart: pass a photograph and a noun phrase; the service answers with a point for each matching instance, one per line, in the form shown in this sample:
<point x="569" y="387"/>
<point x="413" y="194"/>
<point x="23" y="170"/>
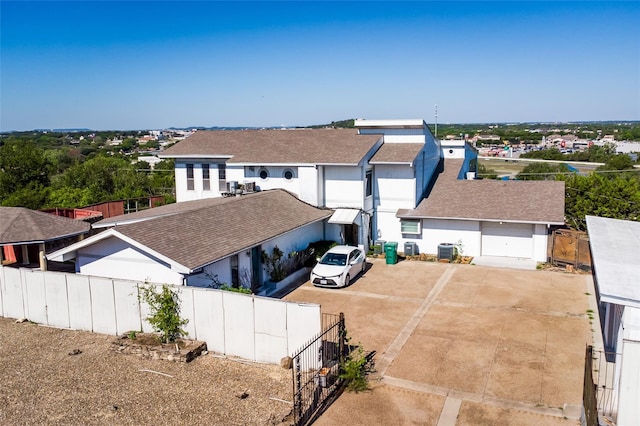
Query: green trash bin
<point x="391" y="252"/>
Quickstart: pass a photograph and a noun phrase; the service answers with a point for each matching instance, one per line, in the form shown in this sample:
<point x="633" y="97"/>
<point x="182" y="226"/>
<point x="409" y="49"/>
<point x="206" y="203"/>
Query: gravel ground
<point x="41" y="383"/>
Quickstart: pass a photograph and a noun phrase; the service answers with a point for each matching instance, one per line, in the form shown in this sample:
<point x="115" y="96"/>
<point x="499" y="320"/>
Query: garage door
<point x="507" y="239"/>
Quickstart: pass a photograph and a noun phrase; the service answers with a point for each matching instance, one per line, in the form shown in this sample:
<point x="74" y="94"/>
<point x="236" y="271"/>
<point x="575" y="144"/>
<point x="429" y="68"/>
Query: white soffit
<point x="344" y="216"/>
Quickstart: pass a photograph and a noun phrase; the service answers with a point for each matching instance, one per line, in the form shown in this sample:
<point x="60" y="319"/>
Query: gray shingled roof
<point x="19" y="225"/>
<point x="495" y="200"/>
<point x="166" y="210"/>
<point x="298" y="146"/>
<point x="397" y="153"/>
<point x="200" y="236"/>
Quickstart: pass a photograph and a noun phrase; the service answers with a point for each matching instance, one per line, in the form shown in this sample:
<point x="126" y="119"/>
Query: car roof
<point x="342" y="249"/>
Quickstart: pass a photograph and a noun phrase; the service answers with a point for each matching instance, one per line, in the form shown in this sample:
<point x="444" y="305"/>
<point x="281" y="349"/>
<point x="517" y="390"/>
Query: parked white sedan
<point x="338" y="266"/>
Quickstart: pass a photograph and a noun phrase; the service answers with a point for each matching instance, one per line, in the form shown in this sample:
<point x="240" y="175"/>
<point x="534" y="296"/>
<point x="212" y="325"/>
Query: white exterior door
<point x="507" y="239"/>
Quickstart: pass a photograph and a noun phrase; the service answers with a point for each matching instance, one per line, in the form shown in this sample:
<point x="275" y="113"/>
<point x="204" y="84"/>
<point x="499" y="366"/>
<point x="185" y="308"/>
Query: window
<point x="287" y="174"/>
<point x="410" y="227"/>
<point x="206" y="183"/>
<point x="222" y="177"/>
<point x="235" y="277"/>
<point x="368" y="183"/>
<point x="190" y="185"/>
<point x="264" y="174"/>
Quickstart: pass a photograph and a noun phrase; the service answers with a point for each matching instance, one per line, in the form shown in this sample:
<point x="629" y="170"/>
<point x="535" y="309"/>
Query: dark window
<point x="190" y="185"/>
<point x="368" y="183"/>
<point x="206" y="183"/>
<point x="235" y="277"/>
<point x="222" y="177"/>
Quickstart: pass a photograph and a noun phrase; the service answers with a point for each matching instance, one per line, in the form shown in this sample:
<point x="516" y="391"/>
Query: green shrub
<point x="165" y="312"/>
<point x="242" y="290"/>
<point x="354" y="370"/>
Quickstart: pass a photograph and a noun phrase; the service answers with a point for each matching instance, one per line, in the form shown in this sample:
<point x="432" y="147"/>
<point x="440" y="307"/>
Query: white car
<point x="338" y="266"/>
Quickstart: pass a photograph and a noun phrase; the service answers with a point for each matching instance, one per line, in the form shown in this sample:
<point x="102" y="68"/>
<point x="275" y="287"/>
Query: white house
<point x="615" y="250"/>
<point x="363" y="174"/>
<point x="385" y="179"/>
<point x="198" y="242"/>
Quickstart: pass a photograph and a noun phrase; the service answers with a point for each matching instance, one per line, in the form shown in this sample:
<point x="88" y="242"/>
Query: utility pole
<point x="436" y="107"/>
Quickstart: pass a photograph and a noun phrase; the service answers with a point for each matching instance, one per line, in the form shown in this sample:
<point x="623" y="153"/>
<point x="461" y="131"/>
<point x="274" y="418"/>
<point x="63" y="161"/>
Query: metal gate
<point x="316" y="370"/>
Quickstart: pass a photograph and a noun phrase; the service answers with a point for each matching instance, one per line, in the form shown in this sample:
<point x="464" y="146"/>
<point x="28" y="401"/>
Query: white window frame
<point x="412" y="222"/>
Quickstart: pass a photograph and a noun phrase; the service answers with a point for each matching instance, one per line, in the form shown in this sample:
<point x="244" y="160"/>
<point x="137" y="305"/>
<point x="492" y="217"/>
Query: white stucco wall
<point x="453" y="148"/>
<point x="540" y="241"/>
<point x="275" y="178"/>
<point x="113" y="258"/>
<point x="310" y="185"/>
<point x="295" y="240"/>
<point x="182" y="194"/>
<point x="344" y="187"/>
<point x="437" y="231"/>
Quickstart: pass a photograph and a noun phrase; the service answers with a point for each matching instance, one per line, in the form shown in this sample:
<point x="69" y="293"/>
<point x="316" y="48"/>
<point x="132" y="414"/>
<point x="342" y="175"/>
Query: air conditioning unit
<point x="232" y="185"/>
<point x="446" y="251"/>
<point x="249" y="187"/>
<point x="410" y="249"/>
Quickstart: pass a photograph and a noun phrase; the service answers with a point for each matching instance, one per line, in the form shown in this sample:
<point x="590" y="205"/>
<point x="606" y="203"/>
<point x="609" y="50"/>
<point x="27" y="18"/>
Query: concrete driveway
<point x="463" y="344"/>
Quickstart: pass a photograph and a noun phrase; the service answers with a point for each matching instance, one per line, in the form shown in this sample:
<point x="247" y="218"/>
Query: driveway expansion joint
<point x="403" y="336"/>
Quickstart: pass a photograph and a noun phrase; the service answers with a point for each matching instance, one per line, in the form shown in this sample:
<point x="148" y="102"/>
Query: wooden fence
<point x="570" y="247"/>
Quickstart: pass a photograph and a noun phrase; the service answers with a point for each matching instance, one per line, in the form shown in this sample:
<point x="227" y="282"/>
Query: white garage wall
<point x="437" y="231"/>
<point x="540" y="242"/>
<point x="251" y="327"/>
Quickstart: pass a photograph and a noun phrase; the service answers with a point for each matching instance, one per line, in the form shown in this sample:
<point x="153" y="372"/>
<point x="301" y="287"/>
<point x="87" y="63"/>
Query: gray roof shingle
<point x="298" y="146"/>
<point x="204" y="234"/>
<point x="493" y="200"/>
<point x="397" y="153"/>
<point x="19" y="225"/>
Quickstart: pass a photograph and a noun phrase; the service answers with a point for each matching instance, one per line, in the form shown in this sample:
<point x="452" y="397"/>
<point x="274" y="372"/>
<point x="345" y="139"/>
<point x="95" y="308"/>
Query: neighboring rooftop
<point x="19" y="225"/>
<point x="390" y="124"/>
<point x="263" y="147"/>
<point x="615" y="249"/>
<point x="490" y="200"/>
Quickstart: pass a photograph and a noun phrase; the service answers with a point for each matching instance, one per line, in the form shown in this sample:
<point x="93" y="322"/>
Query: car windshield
<point x="334" y="259"/>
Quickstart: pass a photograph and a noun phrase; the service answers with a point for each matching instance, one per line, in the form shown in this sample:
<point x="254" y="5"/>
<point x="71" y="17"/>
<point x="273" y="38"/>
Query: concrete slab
<point x="477" y="414"/>
<point x="508" y="343"/>
<point x="384" y="405"/>
<point x="505" y="262"/>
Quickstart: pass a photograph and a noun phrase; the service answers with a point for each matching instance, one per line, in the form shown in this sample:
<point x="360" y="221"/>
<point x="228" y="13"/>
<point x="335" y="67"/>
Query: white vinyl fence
<point x="250" y="327"/>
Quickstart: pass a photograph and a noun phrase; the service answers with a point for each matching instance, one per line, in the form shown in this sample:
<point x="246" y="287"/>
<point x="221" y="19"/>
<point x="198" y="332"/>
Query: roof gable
<point x="203" y="233"/>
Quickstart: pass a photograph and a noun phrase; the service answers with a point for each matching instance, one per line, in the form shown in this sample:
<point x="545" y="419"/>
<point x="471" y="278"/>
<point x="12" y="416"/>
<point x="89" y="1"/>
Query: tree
<point x="614" y="196"/>
<point x="542" y="171"/>
<point x="99" y="179"/>
<point x="23" y="167"/>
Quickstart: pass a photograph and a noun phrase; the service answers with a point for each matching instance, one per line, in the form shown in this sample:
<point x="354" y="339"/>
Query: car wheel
<point x="364" y="266"/>
<point x="346" y="280"/>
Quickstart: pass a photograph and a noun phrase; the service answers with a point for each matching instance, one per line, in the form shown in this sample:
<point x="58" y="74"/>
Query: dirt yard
<point x="42" y="381"/>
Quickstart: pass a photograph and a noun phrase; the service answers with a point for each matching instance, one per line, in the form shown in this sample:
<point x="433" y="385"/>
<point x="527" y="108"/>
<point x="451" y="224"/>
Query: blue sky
<point x="141" y="65"/>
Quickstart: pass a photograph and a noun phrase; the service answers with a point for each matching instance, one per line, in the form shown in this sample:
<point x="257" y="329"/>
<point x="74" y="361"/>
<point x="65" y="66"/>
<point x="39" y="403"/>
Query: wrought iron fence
<point x="316" y="369"/>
